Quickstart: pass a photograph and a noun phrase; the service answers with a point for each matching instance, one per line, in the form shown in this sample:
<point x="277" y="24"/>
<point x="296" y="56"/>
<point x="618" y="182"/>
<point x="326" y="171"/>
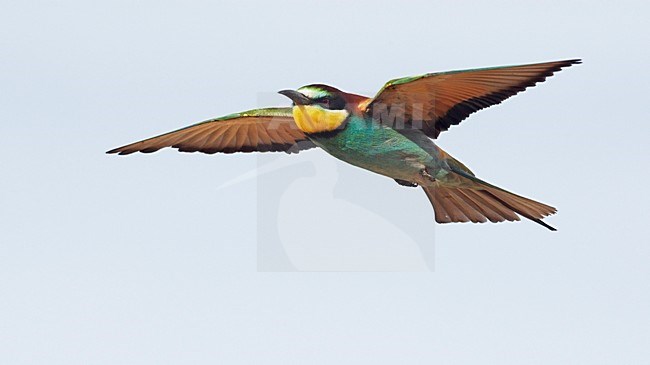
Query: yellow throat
<point x="314" y="119"/>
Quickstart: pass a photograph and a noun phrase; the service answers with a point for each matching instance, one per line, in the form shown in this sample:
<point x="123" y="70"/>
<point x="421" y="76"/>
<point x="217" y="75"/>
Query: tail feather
<point x="494" y="212"/>
<point x="470" y="212"/>
<point x="449" y="208"/>
<point x="476" y="203"/>
<point x="479" y="202"/>
<point x="534" y="209"/>
<point x="530" y="209"/>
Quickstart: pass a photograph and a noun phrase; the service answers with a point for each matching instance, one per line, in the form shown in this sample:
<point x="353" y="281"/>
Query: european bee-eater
<point x="391" y="134"/>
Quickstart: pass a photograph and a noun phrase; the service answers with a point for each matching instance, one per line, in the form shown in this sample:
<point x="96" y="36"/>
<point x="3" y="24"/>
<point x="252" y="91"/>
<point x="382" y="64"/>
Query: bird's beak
<point x="296" y="97"/>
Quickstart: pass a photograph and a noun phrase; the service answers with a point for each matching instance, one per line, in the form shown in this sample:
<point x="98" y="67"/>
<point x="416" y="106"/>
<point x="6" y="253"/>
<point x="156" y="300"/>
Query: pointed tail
<point x="478" y="201"/>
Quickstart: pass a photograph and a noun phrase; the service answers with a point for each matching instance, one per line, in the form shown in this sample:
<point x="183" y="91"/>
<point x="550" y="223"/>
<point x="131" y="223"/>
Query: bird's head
<point x="320" y="108"/>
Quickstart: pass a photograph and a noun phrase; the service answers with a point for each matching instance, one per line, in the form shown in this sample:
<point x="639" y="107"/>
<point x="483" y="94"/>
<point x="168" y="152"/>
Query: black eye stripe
<point x="333" y="103"/>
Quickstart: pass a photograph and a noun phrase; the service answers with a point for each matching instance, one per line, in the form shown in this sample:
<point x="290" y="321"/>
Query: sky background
<point x="149" y="259"/>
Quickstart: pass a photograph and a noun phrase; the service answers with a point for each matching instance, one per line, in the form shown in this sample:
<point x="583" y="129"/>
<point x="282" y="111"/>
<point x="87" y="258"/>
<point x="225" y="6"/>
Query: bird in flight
<point x="390" y="134"/>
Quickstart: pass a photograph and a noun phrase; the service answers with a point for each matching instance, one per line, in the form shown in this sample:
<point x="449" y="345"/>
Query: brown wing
<point x="434" y="102"/>
<point x="261" y="130"/>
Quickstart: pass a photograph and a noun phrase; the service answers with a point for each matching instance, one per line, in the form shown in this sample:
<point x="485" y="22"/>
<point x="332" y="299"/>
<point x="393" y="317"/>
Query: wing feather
<point x="262" y="130"/>
<point x="434" y="102"/>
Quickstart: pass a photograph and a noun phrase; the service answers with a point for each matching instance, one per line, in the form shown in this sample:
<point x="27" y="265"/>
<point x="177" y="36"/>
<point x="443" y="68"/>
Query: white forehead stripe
<point x="312" y="92"/>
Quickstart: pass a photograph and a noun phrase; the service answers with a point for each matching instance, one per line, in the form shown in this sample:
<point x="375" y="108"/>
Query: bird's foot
<point x="406" y="183"/>
<point x="426" y="175"/>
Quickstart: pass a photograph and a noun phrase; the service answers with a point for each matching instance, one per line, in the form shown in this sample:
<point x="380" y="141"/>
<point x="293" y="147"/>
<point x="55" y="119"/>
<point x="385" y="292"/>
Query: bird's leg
<point x="426" y="175"/>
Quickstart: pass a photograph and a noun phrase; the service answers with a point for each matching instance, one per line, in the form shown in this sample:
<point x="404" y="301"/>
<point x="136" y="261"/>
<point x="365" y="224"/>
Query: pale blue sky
<point x="144" y="260"/>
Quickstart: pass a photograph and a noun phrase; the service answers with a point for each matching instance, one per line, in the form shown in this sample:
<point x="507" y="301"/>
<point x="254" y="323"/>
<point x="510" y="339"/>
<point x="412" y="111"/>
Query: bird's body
<point x="372" y="146"/>
<point x="391" y="134"/>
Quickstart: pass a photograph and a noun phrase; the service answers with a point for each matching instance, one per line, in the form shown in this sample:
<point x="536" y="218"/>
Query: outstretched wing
<point x="436" y="101"/>
<point x="261" y="130"/>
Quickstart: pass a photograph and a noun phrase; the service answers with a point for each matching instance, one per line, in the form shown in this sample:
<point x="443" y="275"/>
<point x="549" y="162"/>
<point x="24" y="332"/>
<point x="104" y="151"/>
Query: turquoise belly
<point x="371" y="146"/>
